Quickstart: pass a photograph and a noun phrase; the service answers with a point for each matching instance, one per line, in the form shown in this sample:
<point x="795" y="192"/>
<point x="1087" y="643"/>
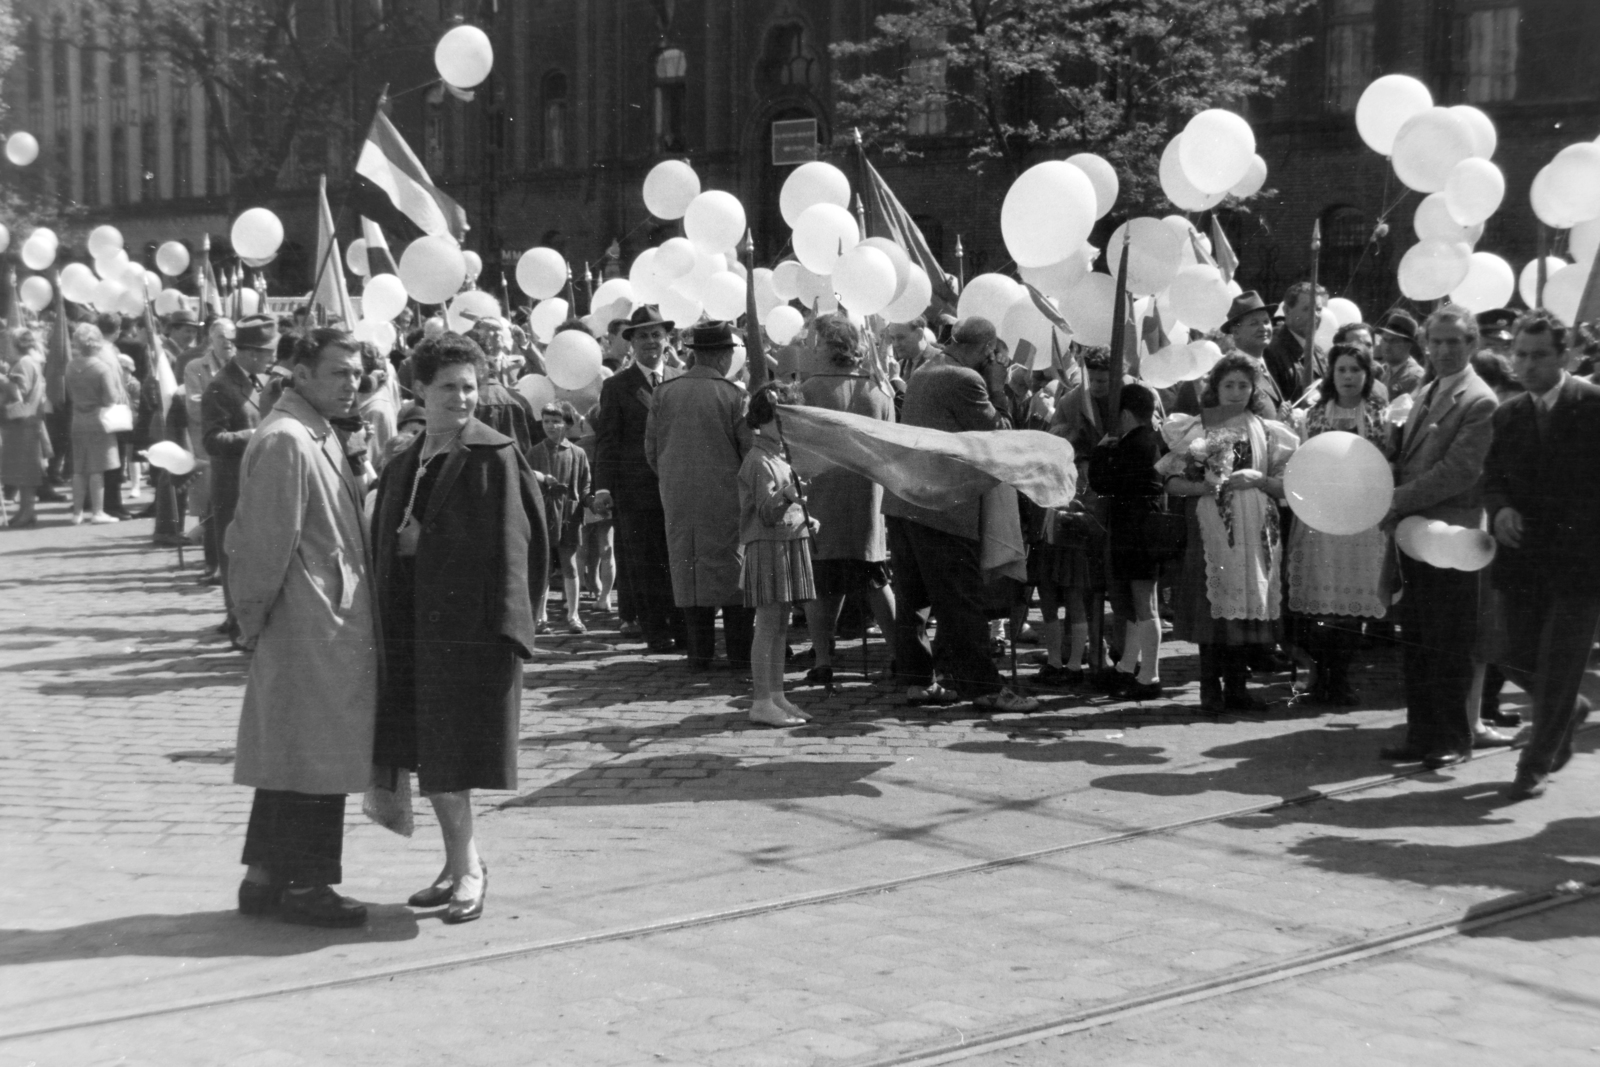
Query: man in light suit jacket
<point x="1542" y="493"/>
<point x="1439" y="462"/>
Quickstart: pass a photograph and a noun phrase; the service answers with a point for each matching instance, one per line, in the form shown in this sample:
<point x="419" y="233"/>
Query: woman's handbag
<point x="1074" y="526"/>
<point x="1166" y="533"/>
<point x="118" y="418"/>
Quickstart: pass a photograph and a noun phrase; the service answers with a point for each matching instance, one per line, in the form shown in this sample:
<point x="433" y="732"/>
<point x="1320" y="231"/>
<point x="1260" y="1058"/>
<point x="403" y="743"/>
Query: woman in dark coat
<point x="459" y="541"/>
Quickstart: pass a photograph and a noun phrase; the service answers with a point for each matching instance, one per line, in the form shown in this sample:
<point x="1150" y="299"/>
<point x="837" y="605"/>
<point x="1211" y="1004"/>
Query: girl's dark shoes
<point x="435" y="896"/>
<point x="464" y="911"/>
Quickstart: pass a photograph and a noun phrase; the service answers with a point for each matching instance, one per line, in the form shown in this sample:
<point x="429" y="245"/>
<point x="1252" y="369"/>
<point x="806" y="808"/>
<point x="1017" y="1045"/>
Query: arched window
<point x="672" y="94"/>
<point x="788" y="60"/>
<point x="553" y="111"/>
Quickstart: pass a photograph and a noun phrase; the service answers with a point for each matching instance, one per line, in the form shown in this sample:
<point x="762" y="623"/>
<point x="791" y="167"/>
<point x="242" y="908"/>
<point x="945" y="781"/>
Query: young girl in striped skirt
<point x="776" y="532"/>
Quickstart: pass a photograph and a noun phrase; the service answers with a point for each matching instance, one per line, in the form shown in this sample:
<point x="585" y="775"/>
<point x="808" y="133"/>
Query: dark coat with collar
<point x="230" y="410"/>
<point x="944" y="395"/>
<point x="450" y="692"/>
<point x="1285" y="357"/>
<point x="1553" y="481"/>
<point x="620" y="466"/>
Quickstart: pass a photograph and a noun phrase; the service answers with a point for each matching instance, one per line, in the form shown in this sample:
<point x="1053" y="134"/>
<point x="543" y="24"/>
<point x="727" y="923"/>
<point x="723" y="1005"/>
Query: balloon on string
<point x="107" y="292"/>
<point x="714" y="220"/>
<point x="1155" y="252"/>
<point x="22" y="148"/>
<point x="1429" y="146"/>
<point x="613" y="291"/>
<point x="786" y="280"/>
<point x="1179" y="189"/>
<point x="1057" y="278"/>
<point x="1488" y="285"/>
<point x="1474" y="191"/>
<point x="104" y="240"/>
<point x="1385" y="106"/>
<point x="1566" y="191"/>
<point x="572" y="359"/>
<point x="812" y="183"/>
<point x="131" y="302"/>
<point x="1167" y="366"/>
<point x="897" y="257"/>
<point x="1047" y="213"/>
<point x="1433" y="221"/>
<point x="549" y="314"/>
<point x="1484" y="137"/>
<point x="170" y="457"/>
<point x="1430" y="269"/>
<point x="541" y="273"/>
<point x="766" y="297"/>
<point x="172" y="258"/>
<point x="113" y="266"/>
<point x="1216" y="150"/>
<point x="1088" y="308"/>
<point x="77" y="283"/>
<point x="355" y="257"/>
<point x="474" y="263"/>
<point x="468" y="306"/>
<point x="1343" y="311"/>
<point x="464" y="56"/>
<point x="537" y="389"/>
<point x="783" y="324"/>
<point x="1528" y="280"/>
<point x="1203" y="355"/>
<point x="1255" y="176"/>
<point x="378" y="332"/>
<point x="1101" y="175"/>
<point x="39" y="250"/>
<point x="674" y="259"/>
<point x="1583" y="242"/>
<point x="1339" y="483"/>
<point x="988" y="296"/>
<point x="645" y="277"/>
<point x="864" y="279"/>
<point x="915" y="298"/>
<point x="35" y="292"/>
<point x="257" y="232"/>
<point x="681" y="307"/>
<point x="432" y="269"/>
<point x="723" y="296"/>
<point x="384" y="297"/>
<point x="707" y="264"/>
<point x="823" y="233"/>
<point x="1200" y="297"/>
<point x="168" y="301"/>
<point x="669" y="188"/>
<point x="1563" y="291"/>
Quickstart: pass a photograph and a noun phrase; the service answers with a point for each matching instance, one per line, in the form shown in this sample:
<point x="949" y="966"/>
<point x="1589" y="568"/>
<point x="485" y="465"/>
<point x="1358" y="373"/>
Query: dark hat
<point x="645" y="315"/>
<point x="256" y="331"/>
<point x="1242" y="305"/>
<point x="1496" y="323"/>
<point x="182" y="317"/>
<point x="1399" y="324"/>
<point x="973" y="330"/>
<point x="710" y="335"/>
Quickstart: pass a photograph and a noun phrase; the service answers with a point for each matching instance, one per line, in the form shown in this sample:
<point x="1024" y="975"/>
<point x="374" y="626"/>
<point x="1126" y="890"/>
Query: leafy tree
<point x="24" y="204"/>
<point x="1021" y="77"/>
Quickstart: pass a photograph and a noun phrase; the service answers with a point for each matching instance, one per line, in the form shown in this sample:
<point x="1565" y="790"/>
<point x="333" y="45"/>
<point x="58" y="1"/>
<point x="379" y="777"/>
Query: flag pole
<point x="1308" y="358"/>
<point x="755" y="355"/>
<point x="1119" y="337"/>
<point x="1543" y="269"/>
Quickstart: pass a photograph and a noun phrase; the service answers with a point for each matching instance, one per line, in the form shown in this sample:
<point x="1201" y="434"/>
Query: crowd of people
<point x="390" y="529"/>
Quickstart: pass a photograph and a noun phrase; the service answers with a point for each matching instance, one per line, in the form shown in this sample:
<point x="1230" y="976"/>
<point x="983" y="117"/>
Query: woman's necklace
<point x="410" y="529"/>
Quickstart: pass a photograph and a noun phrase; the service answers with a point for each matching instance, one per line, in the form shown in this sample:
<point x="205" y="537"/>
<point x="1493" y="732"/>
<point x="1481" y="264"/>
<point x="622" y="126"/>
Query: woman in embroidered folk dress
<point x="459" y="542"/>
<point x="1229" y="462"/>
<point x="1336" y="581"/>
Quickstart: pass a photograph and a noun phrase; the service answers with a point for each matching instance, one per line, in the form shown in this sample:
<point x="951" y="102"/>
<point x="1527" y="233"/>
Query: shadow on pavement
<point x="626" y="739"/>
<point x="699" y="779"/>
<point x="1098" y="753"/>
<point x="200" y="935"/>
<point x="1286" y="765"/>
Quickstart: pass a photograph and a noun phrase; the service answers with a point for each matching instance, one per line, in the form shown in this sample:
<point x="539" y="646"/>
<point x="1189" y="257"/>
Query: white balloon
<point x="1563" y="292"/>
<point x="152" y="285"/>
<point x="674" y="259"/>
<point x="22" y="148"/>
<point x="376" y="332"/>
<point x="383" y="298"/>
<point x="172" y="258"/>
<point x="1179" y="189"/>
<point x="131" y="302"/>
<point x="723" y="295"/>
<point x="1566" y="191"/>
<point x="1428" y="147"/>
<point x="1488" y="285"/>
<point x="104" y="240"/>
<point x="613" y="291"/>
<point x="897" y="256"/>
<point x="1103" y="176"/>
<point x="257" y="233"/>
<point x="1047" y="213"/>
<point x="113" y="266"/>
<point x="1200" y="297"/>
<point x="1484" y="137"/>
<point x="541" y="272"/>
<point x="915" y="298"/>
<point x="572" y="359"/>
<point x="783" y="324"/>
<point x="1204" y="355"/>
<point x="786" y="279"/>
<point x="1023" y="323"/>
<point x="474" y="263"/>
<point x="77" y="283"/>
<point x="1057" y="278"/>
<point x="864" y="279"/>
<point x="38" y="252"/>
<point x="1583" y="242"/>
<point x="1216" y="150"/>
<point x="107" y="293"/>
<point x="1254" y="178"/>
<point x="1343" y="311"/>
<point x="537" y="389"/>
<point x="714" y="220"/>
<point x="549" y="314"/>
<point x="812" y="183"/>
<point x="5" y="237"/>
<point x="432" y="269"/>
<point x="1155" y="253"/>
<point x="814" y="287"/>
<point x="1474" y="191"/>
<point x="464" y="56"/>
<point x="1167" y="366"/>
<point x="170" y="457"/>
<point x="669" y="188"/>
<point x="645" y="276"/>
<point x="35" y="292"/>
<point x="1089" y="308"/>
<point x="168" y="301"/>
<point x="766" y="297"/>
<point x="1430" y="269"/>
<point x="681" y="307"/>
<point x="1385" y="106"/>
<point x="355" y="257"/>
<point x="1433" y="221"/>
<point x="1339" y="483"/>
<point x="1528" y="280"/>
<point x="823" y="233"/>
<point x="988" y="296"/>
<point x="467" y="307"/>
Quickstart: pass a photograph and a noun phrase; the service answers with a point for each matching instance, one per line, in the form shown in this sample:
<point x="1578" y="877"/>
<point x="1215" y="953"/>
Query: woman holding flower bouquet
<point x="1229" y="463"/>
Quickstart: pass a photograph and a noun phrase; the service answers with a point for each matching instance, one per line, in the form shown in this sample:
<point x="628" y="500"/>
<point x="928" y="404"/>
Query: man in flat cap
<point x="230" y="409"/>
<point x="1398" y="349"/>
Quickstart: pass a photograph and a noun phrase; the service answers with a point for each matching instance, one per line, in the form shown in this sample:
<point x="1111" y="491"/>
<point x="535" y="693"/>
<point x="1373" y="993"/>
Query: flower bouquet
<point x="1210" y="460"/>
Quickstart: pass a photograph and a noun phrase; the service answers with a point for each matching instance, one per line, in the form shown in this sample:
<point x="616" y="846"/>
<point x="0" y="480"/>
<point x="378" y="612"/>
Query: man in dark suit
<point x="624" y="480"/>
<point x="936" y="552"/>
<point x="230" y="409"/>
<point x="1542" y="493"/>
<point x="1440" y="452"/>
<point x="1249" y="324"/>
<point x="1286" y="355"/>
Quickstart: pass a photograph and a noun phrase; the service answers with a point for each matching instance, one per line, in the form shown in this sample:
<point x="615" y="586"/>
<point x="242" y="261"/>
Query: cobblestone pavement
<point x="673" y="885"/>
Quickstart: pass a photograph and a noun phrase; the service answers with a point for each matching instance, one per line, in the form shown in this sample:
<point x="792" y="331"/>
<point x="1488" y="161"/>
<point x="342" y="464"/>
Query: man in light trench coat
<point x="298" y="571"/>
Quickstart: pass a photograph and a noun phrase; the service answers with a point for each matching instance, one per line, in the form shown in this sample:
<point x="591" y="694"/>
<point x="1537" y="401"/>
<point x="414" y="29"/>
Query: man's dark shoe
<point x="319" y="905"/>
<point x="1527" y="785"/>
<point x="1137" y="690"/>
<point x="1049" y="675"/>
<point x="1497" y="717"/>
<point x="1108" y="680"/>
<point x="660" y="646"/>
<point x="258" y="898"/>
<point x="1401" y="754"/>
<point x="1438" y="761"/>
<point x="170" y="541"/>
<point x="49" y="495"/>
<point x="1489" y="737"/>
<point x="1564" y="753"/>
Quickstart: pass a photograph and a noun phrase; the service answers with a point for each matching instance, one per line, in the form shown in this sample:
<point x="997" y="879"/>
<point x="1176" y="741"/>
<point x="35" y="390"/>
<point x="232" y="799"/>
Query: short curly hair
<point x="1232" y="363"/>
<point x="309" y="347"/>
<point x="446" y="350"/>
<point x="840" y="337"/>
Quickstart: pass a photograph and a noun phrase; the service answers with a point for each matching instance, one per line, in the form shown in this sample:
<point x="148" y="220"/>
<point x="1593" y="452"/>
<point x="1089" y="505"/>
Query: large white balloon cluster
<point x="1212" y="158"/>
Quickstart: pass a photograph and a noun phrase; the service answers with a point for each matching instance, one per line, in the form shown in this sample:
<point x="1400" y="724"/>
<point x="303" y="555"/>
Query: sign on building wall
<point x="794" y="141"/>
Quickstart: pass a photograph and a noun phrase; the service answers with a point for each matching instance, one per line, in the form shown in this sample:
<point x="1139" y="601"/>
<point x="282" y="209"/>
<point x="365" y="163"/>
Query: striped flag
<point x="379" y="259"/>
<point x="1222" y="251"/>
<point x="887" y="217"/>
<point x="388" y="162"/>
<point x="331" y="294"/>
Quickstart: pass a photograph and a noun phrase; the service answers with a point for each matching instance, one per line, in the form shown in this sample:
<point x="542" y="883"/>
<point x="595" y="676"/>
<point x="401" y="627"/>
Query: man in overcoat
<point x="299" y="555"/>
<point x="1286" y="355"/>
<point x="1440" y="455"/>
<point x="624" y="479"/>
<point x="695" y="440"/>
<point x="230" y="409"/>
<point x="1542" y="493"/>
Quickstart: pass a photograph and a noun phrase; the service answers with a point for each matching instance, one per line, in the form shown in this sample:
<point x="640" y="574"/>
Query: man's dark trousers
<point x="297" y="837"/>
<point x="940" y="570"/>
<point x="1551" y="632"/>
<point x="642" y="550"/>
<point x="1439" y="619"/>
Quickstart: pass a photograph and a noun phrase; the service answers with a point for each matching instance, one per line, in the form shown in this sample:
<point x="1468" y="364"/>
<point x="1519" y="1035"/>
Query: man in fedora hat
<point x="625" y="481"/>
<point x="1401" y="373"/>
<point x="230" y="410"/>
<point x="1249" y="327"/>
<point x="695" y="439"/>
